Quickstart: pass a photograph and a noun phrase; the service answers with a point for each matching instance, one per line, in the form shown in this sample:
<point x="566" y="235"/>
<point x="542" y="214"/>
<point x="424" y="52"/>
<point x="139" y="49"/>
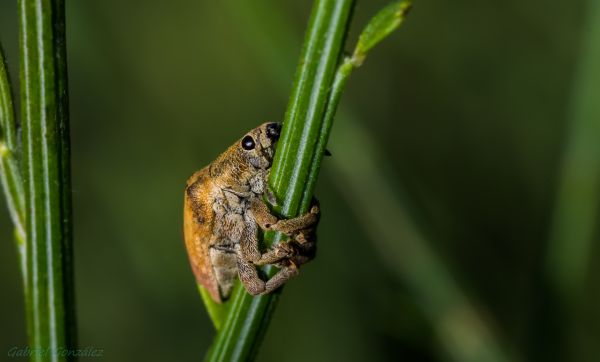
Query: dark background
<point x="468" y="106"/>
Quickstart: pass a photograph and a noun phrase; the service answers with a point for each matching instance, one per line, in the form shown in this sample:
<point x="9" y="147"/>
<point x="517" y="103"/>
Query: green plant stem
<point x="248" y="317"/>
<point x="46" y="174"/>
<point x="382" y="24"/>
<point x="304" y="118"/>
<point x="462" y="331"/>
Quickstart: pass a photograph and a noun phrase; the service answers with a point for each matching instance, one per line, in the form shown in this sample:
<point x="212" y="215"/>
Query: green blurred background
<point x="441" y="238"/>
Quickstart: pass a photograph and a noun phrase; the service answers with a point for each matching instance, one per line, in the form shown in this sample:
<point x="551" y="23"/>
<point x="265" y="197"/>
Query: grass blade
<point x="10" y="176"/>
<point x="248" y="317"/>
<point x="8" y="127"/>
<point x="46" y="173"/>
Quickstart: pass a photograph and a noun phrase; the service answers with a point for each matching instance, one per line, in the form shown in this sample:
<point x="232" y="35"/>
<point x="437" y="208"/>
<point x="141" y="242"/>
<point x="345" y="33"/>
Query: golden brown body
<point x="223" y="211"/>
<point x="198" y="221"/>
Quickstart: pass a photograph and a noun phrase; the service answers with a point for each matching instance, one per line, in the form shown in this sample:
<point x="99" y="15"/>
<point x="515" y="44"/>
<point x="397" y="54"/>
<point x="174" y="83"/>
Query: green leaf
<point x="12" y="184"/>
<point x="216" y="311"/>
<point x="7" y="112"/>
<point x="380" y="26"/>
<point x="10" y="175"/>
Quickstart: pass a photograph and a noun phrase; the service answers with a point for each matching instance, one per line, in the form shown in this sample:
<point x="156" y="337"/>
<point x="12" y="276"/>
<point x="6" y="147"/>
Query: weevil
<point x="224" y="211"/>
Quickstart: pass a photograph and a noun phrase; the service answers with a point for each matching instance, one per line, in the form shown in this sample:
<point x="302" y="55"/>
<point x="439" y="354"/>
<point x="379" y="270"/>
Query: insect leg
<point x="282" y="276"/>
<point x="268" y="221"/>
<point x="249" y="277"/>
<point x="249" y="249"/>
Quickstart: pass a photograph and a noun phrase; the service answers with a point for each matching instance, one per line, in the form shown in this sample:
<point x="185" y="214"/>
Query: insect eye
<point x="248" y="143"/>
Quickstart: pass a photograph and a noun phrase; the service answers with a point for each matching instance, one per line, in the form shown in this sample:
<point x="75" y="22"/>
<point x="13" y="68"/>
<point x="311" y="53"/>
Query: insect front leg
<point x="300" y="253"/>
<point x="279" y="279"/>
<point x="249" y="247"/>
<point x="267" y="221"/>
<point x="300" y="229"/>
<point x="288" y="256"/>
<point x="296" y="254"/>
<point x="255" y="285"/>
<point x="249" y="256"/>
<point x="249" y="277"/>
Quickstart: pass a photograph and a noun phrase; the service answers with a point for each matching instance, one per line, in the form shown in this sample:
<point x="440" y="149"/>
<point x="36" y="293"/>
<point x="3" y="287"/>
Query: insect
<point x="224" y="210"/>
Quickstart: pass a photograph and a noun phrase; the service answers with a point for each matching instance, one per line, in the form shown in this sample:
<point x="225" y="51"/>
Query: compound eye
<point x="248" y="143"/>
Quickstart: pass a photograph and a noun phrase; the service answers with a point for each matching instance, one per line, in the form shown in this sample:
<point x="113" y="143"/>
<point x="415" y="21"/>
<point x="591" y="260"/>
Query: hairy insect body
<point x="223" y="212"/>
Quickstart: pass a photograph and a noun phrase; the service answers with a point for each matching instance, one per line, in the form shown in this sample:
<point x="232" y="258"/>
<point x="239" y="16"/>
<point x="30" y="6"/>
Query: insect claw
<point x="271" y="197"/>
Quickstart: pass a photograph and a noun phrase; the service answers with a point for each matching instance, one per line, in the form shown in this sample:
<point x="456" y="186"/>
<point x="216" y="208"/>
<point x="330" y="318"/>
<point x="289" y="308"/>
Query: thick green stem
<point x="248" y="316"/>
<point x="462" y="331"/>
<point x="46" y="174"/>
<point x="308" y="102"/>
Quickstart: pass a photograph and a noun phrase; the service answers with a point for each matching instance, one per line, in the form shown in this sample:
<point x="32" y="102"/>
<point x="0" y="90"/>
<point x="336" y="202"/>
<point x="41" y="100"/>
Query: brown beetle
<point x="223" y="211"/>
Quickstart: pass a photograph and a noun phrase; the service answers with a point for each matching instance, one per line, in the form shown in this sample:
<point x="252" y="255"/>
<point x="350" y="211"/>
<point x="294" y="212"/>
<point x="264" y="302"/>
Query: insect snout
<point x="273" y="131"/>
